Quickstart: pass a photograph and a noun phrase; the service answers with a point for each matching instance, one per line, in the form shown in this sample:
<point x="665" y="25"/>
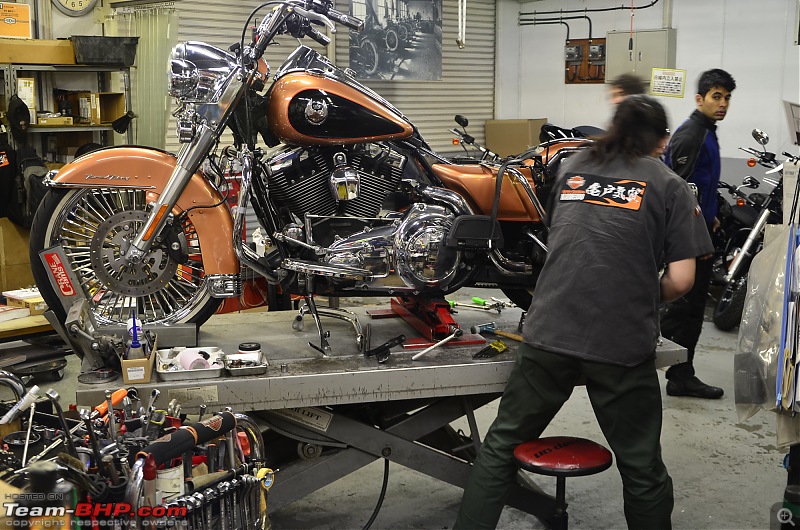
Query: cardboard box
<point x="26" y="90"/>
<point x="15" y="266"/>
<point x="38" y="51"/>
<point x="37" y="305"/>
<point x="139" y="371"/>
<point x="107" y="107"/>
<point x="59" y="120"/>
<point x="80" y="105"/>
<point x="511" y="137"/>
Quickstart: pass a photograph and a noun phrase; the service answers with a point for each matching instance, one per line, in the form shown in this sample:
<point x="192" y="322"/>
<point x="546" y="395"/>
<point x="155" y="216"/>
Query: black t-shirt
<point x="611" y="227"/>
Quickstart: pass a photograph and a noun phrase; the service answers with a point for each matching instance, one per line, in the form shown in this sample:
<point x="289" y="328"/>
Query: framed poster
<point x="400" y="41"/>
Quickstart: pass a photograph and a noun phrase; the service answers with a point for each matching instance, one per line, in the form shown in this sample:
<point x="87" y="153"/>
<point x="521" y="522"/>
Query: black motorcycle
<point x="741" y="233"/>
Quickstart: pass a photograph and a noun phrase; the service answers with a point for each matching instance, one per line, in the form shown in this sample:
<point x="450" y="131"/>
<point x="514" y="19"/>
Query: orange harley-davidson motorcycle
<point x="354" y="202"/>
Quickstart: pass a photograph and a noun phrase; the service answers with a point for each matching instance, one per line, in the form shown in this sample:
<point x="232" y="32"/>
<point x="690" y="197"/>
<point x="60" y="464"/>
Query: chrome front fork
<point x="190" y="157"/>
<point x="745" y="250"/>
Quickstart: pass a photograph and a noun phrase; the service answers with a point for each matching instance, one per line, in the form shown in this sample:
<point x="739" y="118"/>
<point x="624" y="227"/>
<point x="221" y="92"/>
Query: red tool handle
<point x="178" y="442"/>
<point x="116" y="399"/>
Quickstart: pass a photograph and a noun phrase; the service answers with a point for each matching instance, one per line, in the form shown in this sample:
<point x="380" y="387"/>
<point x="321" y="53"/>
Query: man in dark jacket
<point x="693" y="153"/>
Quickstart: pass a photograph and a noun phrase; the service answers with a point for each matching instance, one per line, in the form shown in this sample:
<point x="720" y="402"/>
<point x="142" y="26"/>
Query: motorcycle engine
<point x="345" y="181"/>
<point x="407" y="255"/>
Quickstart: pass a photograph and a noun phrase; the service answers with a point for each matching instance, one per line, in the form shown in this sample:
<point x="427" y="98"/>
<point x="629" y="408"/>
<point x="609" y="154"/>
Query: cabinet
<point x="650" y="49"/>
<point x="46" y="79"/>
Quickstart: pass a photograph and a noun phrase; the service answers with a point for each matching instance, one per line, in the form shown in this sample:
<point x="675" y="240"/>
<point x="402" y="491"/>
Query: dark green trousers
<point x="627" y="404"/>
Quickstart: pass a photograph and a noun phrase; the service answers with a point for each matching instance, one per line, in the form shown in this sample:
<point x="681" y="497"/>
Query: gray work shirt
<point x="611" y="227"/>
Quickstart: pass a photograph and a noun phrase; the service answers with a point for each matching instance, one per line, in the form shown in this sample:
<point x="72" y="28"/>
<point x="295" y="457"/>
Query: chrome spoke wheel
<point x="95" y="227"/>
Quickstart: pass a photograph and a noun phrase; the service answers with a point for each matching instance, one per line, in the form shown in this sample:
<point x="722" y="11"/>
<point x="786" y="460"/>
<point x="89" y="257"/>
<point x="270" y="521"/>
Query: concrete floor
<point x="727" y="475"/>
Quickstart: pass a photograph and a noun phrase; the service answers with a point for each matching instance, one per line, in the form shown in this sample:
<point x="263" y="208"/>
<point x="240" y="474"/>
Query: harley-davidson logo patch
<point x="214" y="423"/>
<point x="576" y="182"/>
<point x="603" y="191"/>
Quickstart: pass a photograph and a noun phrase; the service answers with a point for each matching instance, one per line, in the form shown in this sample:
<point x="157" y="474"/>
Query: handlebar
<point x="765" y="158"/>
<point x="346" y="20"/>
<point x="294" y="17"/>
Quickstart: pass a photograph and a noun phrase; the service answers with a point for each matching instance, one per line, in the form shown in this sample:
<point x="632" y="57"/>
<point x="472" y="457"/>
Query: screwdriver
<point x="116" y="399"/>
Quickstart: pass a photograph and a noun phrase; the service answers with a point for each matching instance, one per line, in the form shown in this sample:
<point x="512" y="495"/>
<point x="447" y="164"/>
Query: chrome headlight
<point x="198" y="72"/>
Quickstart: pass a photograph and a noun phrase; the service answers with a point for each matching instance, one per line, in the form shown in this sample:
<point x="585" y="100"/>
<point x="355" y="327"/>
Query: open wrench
<point x="151" y="404"/>
<point x="457" y="333"/>
<point x="98" y="459"/>
<point x="53" y="396"/>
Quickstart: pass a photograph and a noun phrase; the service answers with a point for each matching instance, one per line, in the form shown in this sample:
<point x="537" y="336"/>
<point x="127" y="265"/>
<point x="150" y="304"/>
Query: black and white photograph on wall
<point x="401" y="40"/>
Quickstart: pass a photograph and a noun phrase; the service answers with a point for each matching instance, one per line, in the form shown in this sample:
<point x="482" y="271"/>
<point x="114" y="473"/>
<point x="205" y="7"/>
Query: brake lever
<point x="313" y="16"/>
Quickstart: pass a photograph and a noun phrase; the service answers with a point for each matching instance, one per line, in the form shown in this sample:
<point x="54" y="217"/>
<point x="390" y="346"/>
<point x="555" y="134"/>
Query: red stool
<point x="562" y="457"/>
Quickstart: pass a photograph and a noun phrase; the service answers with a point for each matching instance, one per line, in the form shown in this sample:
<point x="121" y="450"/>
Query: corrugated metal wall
<point x="466" y="86"/>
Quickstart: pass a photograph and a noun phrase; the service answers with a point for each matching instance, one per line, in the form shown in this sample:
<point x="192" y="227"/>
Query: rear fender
<point x="150" y="169"/>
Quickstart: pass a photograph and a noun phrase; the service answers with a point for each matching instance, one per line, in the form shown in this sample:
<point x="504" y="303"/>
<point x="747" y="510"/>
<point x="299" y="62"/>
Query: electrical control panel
<point x="573" y="54"/>
<point x="597" y="53"/>
<point x="584" y="61"/>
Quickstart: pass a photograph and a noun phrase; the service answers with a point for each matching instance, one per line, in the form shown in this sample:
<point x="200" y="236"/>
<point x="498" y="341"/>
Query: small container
<point x="250" y="347"/>
<point x="192" y="359"/>
<point x="249" y="361"/>
<point x="168" y="368"/>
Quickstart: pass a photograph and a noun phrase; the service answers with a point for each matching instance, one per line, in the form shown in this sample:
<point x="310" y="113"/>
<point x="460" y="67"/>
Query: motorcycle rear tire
<point x="729" y="309"/>
<point x="47" y="230"/>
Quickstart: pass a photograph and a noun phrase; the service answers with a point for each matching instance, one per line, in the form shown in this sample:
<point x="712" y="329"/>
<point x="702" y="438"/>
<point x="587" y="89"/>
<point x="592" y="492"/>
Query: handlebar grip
<point x="321" y="38"/>
<point x="176" y="443"/>
<point x="345" y="19"/>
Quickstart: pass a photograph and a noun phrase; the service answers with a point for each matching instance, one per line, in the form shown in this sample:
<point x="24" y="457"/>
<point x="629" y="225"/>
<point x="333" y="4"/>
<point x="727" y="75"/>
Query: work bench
<point x="346" y="410"/>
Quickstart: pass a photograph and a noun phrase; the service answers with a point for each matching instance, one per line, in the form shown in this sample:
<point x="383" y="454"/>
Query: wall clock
<point x="75" y="8"/>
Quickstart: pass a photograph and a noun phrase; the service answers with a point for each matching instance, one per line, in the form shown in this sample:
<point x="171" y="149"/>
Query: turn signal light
<point x="456" y="141"/>
<point x="751" y="162"/>
<point x="740" y="202"/>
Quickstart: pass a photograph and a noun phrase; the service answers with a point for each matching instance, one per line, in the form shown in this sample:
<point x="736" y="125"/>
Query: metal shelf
<point x="67" y="68"/>
<point x="67" y="128"/>
<point x="10" y="73"/>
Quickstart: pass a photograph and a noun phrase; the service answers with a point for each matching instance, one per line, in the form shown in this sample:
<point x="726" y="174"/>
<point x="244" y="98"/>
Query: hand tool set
<point x="130" y="464"/>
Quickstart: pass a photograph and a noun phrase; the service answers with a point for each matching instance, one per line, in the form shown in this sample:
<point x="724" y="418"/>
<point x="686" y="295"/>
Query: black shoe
<point x="693" y="387"/>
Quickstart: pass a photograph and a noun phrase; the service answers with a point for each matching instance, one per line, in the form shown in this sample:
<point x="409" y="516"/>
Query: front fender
<point x="150" y="169"/>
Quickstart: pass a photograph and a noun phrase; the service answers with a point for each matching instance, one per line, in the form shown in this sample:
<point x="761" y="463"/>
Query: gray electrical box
<point x="573" y="54"/>
<point x="640" y="52"/>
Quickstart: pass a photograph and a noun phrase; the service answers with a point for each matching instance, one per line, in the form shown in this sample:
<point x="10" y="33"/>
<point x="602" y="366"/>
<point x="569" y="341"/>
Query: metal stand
<point x="431" y="317"/>
<point x="334" y="442"/>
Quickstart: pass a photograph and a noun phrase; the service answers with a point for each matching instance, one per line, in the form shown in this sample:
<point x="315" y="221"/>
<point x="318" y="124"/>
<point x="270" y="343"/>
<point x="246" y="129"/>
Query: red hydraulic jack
<point x="429" y="316"/>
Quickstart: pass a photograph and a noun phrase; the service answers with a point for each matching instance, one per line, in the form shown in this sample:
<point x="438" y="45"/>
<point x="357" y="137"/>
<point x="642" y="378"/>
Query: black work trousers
<point x="627" y="404"/>
<point x="682" y="320"/>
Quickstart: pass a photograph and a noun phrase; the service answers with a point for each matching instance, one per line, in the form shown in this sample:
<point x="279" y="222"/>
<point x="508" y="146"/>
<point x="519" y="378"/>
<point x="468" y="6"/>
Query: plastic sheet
<point x="756" y="360"/>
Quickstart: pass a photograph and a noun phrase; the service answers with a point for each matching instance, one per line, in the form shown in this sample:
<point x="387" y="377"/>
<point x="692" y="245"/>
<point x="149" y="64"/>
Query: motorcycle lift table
<point x="344" y="411"/>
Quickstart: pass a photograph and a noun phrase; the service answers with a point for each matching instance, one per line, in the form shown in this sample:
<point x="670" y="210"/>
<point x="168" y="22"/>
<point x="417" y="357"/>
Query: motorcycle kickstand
<point x="324" y="348"/>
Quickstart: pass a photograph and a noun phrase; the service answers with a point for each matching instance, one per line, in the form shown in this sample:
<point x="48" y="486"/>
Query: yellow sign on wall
<point x="669" y="83"/>
<point x="15" y="21"/>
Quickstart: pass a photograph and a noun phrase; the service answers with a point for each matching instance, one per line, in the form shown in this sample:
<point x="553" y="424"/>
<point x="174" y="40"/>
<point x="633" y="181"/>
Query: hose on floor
<point x="382" y="495"/>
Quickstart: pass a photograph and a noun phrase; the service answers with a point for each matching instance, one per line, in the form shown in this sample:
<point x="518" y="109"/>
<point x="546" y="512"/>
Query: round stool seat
<point x="563" y="456"/>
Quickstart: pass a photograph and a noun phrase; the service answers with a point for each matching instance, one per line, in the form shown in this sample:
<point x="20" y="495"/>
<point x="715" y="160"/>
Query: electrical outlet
<point x="573" y="54"/>
<point x="597" y="53"/>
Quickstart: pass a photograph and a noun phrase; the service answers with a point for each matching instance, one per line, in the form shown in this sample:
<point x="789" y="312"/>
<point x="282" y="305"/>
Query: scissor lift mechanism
<point x="346" y="410"/>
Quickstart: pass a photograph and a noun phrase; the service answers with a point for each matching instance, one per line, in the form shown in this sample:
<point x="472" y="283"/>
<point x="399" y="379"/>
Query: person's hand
<point x="715" y="225"/>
